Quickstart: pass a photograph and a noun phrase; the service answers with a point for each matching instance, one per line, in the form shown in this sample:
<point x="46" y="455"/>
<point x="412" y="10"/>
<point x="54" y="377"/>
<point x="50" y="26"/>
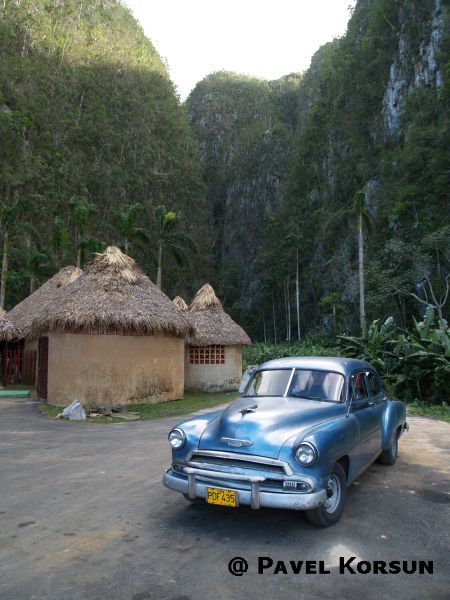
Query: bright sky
<point x="264" y="38"/>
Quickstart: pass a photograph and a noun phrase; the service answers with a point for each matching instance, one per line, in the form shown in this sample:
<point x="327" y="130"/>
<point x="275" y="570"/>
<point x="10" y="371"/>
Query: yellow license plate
<point x="222" y="497"/>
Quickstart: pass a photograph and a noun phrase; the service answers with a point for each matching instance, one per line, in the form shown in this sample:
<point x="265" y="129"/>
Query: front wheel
<point x="330" y="512"/>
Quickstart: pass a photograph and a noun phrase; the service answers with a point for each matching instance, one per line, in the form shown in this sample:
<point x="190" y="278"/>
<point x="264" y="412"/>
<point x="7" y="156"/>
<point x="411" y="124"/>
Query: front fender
<point x="333" y="439"/>
<point x="193" y="428"/>
<point x="393" y="417"/>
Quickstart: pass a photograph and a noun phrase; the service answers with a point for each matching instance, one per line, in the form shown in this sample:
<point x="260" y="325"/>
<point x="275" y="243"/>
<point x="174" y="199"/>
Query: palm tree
<point x="360" y="212"/>
<point x="126" y="224"/>
<point x="60" y="239"/>
<point x="169" y="239"/>
<point x="37" y="261"/>
<point x="38" y="265"/>
<point x="293" y="241"/>
<point x="82" y="211"/>
<point x="9" y="214"/>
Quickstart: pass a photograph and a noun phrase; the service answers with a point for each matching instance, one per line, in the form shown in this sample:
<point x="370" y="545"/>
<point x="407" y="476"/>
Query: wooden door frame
<point x="41" y="344"/>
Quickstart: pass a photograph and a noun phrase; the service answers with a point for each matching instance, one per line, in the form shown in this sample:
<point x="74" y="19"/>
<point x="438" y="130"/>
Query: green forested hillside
<point x="369" y="125"/>
<point x="268" y="178"/>
<point x="90" y="118"/>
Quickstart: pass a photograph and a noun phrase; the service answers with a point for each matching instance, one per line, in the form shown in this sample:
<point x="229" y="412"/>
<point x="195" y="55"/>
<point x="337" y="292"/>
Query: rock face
<point x="414" y="64"/>
<point x="300" y="148"/>
<point x="245" y="128"/>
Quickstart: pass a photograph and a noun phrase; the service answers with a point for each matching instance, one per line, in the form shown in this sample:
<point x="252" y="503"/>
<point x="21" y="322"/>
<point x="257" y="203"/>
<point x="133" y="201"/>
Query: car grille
<point x="238" y="465"/>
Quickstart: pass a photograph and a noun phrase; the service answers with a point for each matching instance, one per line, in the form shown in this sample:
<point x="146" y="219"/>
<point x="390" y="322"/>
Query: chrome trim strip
<point x="244" y="457"/>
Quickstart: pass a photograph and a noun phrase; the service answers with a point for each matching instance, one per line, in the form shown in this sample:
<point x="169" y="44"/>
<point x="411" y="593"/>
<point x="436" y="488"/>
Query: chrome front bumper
<point x="194" y="487"/>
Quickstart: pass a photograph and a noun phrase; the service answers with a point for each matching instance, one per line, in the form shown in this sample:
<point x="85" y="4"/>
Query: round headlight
<point x="177" y="438"/>
<point x="306" y="454"/>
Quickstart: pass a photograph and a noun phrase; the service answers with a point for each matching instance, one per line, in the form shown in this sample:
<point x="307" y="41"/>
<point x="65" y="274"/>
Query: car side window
<point x="358" y="389"/>
<point x="374" y="384"/>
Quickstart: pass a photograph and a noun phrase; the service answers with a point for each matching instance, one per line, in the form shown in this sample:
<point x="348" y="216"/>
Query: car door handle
<point x="370" y="403"/>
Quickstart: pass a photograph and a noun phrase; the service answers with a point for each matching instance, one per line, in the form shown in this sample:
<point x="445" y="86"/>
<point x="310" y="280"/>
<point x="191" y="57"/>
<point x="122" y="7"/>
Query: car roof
<point x="325" y="363"/>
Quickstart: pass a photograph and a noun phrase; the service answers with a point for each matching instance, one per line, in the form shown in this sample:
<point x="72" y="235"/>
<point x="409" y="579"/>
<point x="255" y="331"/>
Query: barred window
<point x="207" y="355"/>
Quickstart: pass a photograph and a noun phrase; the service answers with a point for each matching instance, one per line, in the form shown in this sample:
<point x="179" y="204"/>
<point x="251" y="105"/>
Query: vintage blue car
<point x="301" y="433"/>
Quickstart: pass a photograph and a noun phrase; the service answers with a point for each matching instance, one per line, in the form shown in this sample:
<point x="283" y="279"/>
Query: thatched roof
<point x="7" y="329"/>
<point x="180" y="303"/>
<point x="211" y="323"/>
<point x="112" y="293"/>
<point x="22" y="314"/>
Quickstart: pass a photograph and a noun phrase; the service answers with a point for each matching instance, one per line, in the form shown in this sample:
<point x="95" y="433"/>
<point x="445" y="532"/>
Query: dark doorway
<point x="43" y="368"/>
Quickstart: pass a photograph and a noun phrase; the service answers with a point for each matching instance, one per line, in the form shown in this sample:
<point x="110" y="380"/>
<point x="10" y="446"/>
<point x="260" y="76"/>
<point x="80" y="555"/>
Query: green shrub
<point x="413" y="365"/>
<point x="424" y="356"/>
<point x="262" y="351"/>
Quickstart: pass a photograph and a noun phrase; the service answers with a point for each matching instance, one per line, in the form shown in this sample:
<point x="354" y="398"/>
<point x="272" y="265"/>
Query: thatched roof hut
<point x="112" y="292"/>
<point x="7" y="330"/>
<point x="211" y="323"/>
<point x="213" y="355"/>
<point x="180" y="303"/>
<point x="112" y="338"/>
<point x="22" y="314"/>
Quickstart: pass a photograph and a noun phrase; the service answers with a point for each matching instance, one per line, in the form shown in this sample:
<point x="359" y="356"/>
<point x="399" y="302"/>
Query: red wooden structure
<point x="18" y="366"/>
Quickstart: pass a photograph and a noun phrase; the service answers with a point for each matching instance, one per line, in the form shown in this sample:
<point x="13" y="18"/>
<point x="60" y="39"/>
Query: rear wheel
<point x="330" y="512"/>
<point x="389" y="456"/>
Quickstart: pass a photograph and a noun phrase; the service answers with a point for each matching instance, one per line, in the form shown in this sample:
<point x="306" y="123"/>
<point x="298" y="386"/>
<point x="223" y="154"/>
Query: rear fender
<point x="394" y="416"/>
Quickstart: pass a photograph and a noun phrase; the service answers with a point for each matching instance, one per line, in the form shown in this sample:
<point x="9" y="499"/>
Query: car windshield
<point x="316" y="385"/>
<point x="311" y="384"/>
<point x="269" y="383"/>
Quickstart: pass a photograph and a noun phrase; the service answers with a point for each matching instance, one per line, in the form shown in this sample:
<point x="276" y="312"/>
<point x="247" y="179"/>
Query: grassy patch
<point x="420" y="409"/>
<point x="190" y="403"/>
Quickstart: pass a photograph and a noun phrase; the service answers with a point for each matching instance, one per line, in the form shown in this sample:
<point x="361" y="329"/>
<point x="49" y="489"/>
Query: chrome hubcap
<point x="333" y="493"/>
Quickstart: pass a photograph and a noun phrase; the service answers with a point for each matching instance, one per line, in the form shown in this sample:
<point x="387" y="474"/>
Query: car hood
<point x="266" y="422"/>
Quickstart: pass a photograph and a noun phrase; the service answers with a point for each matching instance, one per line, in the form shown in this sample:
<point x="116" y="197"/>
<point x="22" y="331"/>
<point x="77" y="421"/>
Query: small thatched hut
<point x="24" y="348"/>
<point x="213" y="354"/>
<point x="180" y="303"/>
<point x="22" y="314"/>
<point x="7" y="330"/>
<point x="7" y="333"/>
<point x="112" y="338"/>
